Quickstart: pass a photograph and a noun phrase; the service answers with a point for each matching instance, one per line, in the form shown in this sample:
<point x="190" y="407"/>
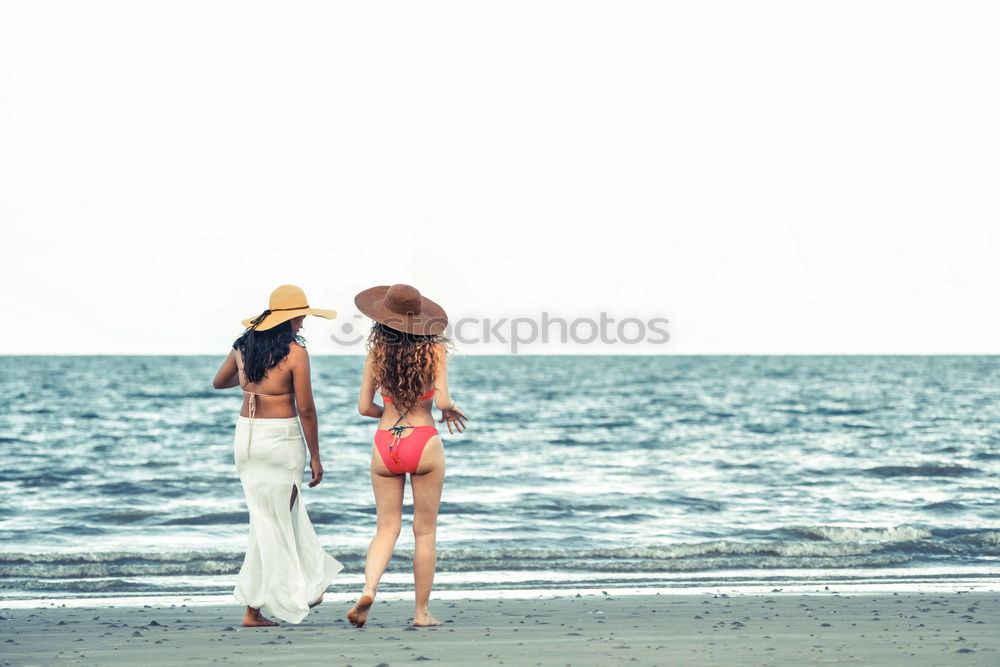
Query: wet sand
<point x="778" y="629"/>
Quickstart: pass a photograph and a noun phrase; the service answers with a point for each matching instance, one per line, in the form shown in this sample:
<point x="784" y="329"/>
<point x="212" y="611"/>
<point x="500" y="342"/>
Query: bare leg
<point x="389" y="508"/>
<point x="253" y="619"/>
<point x="427" y="484"/>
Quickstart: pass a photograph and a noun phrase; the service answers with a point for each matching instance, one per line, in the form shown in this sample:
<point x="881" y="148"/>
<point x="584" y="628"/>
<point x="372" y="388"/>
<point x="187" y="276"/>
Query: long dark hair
<point x="263" y="350"/>
<point x="403" y="362"/>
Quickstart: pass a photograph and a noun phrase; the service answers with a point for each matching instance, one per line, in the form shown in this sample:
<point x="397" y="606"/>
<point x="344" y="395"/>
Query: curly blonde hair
<point x="403" y="363"/>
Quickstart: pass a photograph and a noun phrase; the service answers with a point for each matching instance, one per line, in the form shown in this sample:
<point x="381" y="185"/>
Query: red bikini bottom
<point x="403" y="454"/>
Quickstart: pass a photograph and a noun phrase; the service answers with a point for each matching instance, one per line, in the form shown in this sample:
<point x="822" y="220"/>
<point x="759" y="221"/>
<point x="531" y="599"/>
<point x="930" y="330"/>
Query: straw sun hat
<point x="401" y="307"/>
<point x="287" y="302"/>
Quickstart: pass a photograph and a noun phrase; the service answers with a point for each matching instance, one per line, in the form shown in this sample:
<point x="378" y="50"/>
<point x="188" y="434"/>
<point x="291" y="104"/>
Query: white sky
<point x="772" y="177"/>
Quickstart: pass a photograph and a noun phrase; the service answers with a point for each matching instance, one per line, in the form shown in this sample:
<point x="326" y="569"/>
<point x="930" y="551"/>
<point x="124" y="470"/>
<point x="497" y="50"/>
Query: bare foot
<point x="359" y="614"/>
<point x="316" y="603"/>
<point x="253" y="619"/>
<point x="424" y="620"/>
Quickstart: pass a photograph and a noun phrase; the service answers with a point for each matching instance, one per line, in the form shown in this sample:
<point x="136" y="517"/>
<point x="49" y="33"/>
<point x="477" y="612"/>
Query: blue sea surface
<point x="576" y="471"/>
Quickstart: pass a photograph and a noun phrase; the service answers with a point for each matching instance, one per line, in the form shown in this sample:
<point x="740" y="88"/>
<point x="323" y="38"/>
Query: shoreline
<point x="923" y="628"/>
<point x="827" y="588"/>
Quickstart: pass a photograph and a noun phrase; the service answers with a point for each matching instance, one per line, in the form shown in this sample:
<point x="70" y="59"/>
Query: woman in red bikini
<point x="407" y="363"/>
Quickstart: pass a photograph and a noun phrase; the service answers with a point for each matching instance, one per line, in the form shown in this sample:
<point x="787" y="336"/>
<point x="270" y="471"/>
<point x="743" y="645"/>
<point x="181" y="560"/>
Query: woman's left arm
<point x="228" y="375"/>
<point x="450" y="414"/>
<point x="302" y="386"/>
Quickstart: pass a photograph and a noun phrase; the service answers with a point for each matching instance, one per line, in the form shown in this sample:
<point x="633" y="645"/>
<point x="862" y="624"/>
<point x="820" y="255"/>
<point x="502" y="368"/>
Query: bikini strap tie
<point x="397" y="433"/>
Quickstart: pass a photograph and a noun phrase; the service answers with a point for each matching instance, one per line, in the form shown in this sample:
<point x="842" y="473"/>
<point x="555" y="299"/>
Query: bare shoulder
<point x="297" y="355"/>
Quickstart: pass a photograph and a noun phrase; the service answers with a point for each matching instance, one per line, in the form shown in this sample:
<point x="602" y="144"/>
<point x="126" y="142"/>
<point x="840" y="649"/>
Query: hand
<point x="317" y="471"/>
<point x="453" y="416"/>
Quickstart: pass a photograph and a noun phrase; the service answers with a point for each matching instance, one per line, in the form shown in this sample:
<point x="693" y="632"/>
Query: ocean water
<point x="117" y="473"/>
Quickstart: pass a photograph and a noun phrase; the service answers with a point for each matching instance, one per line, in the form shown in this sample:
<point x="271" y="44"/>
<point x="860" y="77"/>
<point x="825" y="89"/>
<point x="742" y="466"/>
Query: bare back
<point x="275" y="393"/>
<point x="418" y="415"/>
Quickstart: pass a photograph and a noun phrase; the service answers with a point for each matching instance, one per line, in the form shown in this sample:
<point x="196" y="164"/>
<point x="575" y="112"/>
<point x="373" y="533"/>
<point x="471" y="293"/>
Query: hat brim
<point x="276" y="318"/>
<point x="430" y="321"/>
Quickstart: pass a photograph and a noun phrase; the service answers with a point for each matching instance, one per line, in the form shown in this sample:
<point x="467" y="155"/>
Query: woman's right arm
<point x="228" y="375"/>
<point x="366" y="399"/>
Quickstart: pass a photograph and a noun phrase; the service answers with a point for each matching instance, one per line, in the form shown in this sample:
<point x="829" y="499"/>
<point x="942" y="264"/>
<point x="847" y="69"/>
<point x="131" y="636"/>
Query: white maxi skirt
<point x="285" y="567"/>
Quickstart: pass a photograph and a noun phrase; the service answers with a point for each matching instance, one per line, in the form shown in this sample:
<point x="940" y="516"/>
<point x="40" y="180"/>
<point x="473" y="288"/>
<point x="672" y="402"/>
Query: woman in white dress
<point x="285" y="571"/>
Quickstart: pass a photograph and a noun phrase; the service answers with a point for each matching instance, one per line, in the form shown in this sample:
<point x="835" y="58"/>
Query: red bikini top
<point x="429" y="394"/>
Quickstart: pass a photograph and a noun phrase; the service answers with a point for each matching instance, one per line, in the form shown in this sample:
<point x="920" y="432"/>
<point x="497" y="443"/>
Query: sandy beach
<point x="884" y="628"/>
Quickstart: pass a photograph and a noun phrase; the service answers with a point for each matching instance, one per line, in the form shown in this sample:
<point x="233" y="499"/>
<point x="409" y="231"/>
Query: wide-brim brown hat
<point x="287" y="302"/>
<point x="401" y="307"/>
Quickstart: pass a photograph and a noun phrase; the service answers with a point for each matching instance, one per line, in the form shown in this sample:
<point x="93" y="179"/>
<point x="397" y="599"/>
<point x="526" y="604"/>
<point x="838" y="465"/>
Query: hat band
<point x="255" y="322"/>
